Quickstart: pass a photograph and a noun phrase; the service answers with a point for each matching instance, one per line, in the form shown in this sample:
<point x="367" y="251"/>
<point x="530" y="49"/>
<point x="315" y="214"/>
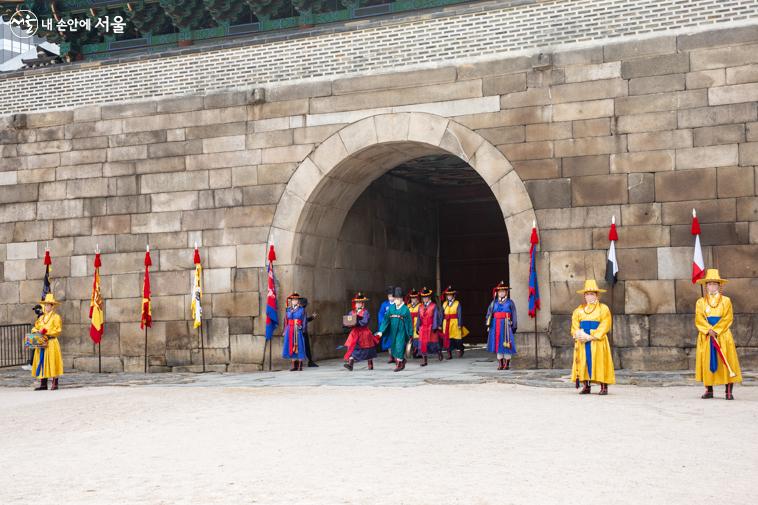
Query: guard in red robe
<point x="428" y="325"/>
<point x="361" y="342"/>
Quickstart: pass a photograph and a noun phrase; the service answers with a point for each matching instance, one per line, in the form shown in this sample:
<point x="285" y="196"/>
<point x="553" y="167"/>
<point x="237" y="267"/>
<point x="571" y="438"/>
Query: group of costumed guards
<point x="419" y="327"/>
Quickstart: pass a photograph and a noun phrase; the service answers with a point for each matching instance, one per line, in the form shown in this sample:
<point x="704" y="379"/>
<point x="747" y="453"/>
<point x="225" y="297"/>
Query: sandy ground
<point x="435" y="444"/>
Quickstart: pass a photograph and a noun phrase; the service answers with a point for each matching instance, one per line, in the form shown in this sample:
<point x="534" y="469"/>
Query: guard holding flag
<point x="590" y="324"/>
<point x="452" y="324"/>
<point x="716" y="357"/>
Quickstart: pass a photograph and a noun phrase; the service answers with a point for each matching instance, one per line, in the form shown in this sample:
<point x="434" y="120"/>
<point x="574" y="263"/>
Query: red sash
<point x="293" y="334"/>
<point x="499" y="316"/>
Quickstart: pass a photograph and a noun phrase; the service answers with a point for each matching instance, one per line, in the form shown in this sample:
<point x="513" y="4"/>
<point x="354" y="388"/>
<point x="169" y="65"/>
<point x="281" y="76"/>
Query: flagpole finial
<point x="147" y="248"/>
<point x="97" y="248"/>
<point x="613" y="219"/>
<point x="534" y="223"/>
<point x="47" y="246"/>
<point x="195" y="245"/>
<point x="694" y="214"/>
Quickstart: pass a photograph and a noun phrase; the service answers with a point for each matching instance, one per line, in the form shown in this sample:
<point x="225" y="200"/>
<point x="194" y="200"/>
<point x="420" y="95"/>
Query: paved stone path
<point x="476" y="367"/>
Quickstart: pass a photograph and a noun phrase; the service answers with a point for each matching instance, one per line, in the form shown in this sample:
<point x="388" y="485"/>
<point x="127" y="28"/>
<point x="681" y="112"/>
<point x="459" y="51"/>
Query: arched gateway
<point x="322" y="190"/>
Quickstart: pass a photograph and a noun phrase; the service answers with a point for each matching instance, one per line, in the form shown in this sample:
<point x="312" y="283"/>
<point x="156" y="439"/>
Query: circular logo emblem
<point x="24" y="24"/>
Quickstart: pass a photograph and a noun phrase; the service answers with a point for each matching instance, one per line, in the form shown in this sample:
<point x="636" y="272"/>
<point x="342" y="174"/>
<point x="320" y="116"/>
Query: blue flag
<point x="272" y="318"/>
<point x="534" y="289"/>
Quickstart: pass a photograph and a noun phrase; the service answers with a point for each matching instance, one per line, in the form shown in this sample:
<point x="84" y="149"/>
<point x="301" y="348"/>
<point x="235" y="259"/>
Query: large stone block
<point x="674" y="262"/>
<point x="633" y="236"/>
<point x="631" y="331"/>
<point x="599" y="127"/>
<point x="657" y="84"/>
<point x="528" y="98"/>
<point x="576" y="217"/>
<point x="649" y="297"/>
<point x="582" y="110"/>
<point x="640" y="104"/>
<point x="735" y="181"/>
<point x="599" y="190"/>
<point x="713" y="135"/>
<point x="656" y="65"/>
<point x="246" y="348"/>
<point x="705" y="78"/>
<point x="737" y="261"/>
<point x="590" y="146"/>
<point x="653" y="358"/>
<point x="681" y="185"/>
<point x="721" y="57"/>
<point x="660" y="140"/>
<point x="503" y="84"/>
<point x="538" y="169"/>
<point x="672" y="330"/>
<point x="586" y="165"/>
<point x="637" y="264"/>
<point x="639" y="48"/>
<point x="576" y="265"/>
<point x="505" y="134"/>
<point x="642" y="161"/>
<point x="566" y="240"/>
<point x="184" y="181"/>
<point x="641" y="214"/>
<point x="708" y="211"/>
<point x="528" y="150"/>
<point x="748" y="153"/>
<point x="236" y="304"/>
<point x="719" y="114"/>
<point x="747" y="209"/>
<point x="654" y="121"/>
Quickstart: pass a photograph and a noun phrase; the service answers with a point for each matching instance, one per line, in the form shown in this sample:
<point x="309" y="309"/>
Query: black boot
<point x="708" y="392"/>
<point x="371" y="364"/>
<point x="500" y="363"/>
<point x="507" y="364"/>
<point x="439" y="356"/>
<point x="729" y="388"/>
<point x="55" y="384"/>
<point x="424" y="361"/>
<point x="460" y="353"/>
<point x="586" y="389"/>
<point x="449" y="354"/>
<point x="349" y="364"/>
<point x="312" y="364"/>
<point x="603" y="389"/>
<point x="42" y="385"/>
<point x="293" y="368"/>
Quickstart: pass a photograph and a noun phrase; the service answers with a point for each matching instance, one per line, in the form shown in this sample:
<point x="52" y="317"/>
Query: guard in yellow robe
<point x="452" y="323"/>
<point x="48" y="362"/>
<point x="716" y="357"/>
<point x="413" y="306"/>
<point x="590" y="324"/>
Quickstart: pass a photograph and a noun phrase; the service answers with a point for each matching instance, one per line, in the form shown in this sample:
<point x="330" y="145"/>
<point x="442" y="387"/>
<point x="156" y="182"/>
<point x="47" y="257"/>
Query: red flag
<point x="272" y="319"/>
<point x="146" y="319"/>
<point x="96" y="314"/>
<point x="698" y="265"/>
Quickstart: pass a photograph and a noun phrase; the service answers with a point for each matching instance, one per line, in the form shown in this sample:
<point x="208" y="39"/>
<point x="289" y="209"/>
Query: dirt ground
<point x="431" y="444"/>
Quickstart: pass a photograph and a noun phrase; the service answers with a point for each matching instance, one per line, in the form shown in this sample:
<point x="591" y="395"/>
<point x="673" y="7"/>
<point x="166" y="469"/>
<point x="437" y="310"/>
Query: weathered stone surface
<point x="656" y="65"/>
<point x="657" y="84"/>
<point x="538" y="169"/>
<point x="599" y="190"/>
<point x="641" y="188"/>
<point x="550" y="193"/>
<point x="649" y="297"/>
<point x="682" y="185"/>
<point x="566" y="240"/>
<point x="639" y="104"/>
<point x="572" y="266"/>
<point x="590" y="146"/>
<point x="735" y="181"/>
<point x="708" y="211"/>
<point x="641" y="214"/>
<point x="642" y="161"/>
<point x="235" y="304"/>
<point x="674" y="262"/>
<point x="582" y="110"/>
<point x="737" y="261"/>
<point x="585" y="165"/>
<point x="631" y="331"/>
<point x="639" y="48"/>
<point x="720" y="114"/>
<point x="653" y="358"/>
<point x="599" y="127"/>
<point x="654" y="121"/>
<point x="634" y="236"/>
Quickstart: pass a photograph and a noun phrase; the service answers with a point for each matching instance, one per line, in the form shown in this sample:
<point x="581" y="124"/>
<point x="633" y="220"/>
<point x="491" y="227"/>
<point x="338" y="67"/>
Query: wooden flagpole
<point x="202" y="343"/>
<point x="145" y="348"/>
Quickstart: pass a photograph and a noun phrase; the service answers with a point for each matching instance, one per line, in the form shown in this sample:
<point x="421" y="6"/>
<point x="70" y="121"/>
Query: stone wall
<point x="644" y="130"/>
<point x="425" y="38"/>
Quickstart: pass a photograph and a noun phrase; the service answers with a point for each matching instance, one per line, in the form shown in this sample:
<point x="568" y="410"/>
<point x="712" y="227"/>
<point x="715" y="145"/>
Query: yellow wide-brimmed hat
<point x="712" y="275"/>
<point x="50" y="298"/>
<point x="590" y="286"/>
